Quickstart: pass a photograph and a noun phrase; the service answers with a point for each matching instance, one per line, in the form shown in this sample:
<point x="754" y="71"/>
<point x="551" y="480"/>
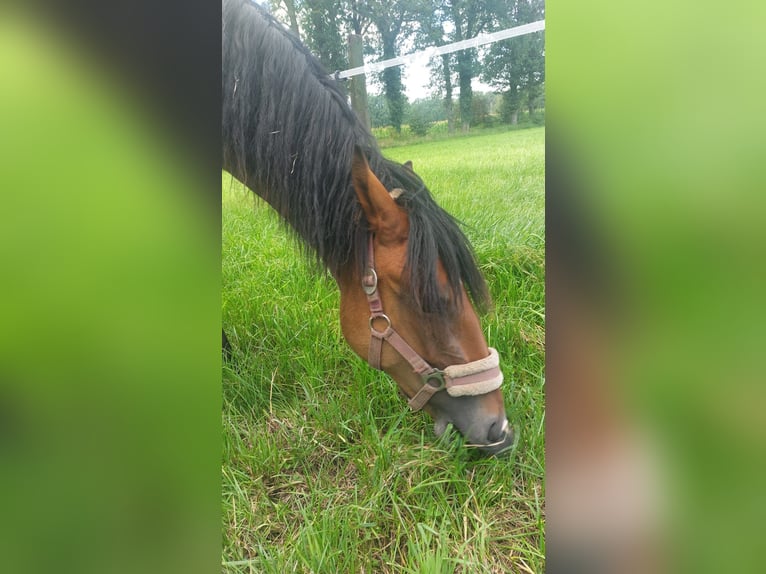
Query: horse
<point x="408" y="278"/>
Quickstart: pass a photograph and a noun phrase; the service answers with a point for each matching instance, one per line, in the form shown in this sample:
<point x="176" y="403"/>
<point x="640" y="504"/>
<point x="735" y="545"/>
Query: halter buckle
<point x="370" y="281"/>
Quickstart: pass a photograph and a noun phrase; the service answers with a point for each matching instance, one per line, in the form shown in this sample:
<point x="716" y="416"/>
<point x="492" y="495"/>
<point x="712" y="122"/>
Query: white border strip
<point x="479" y="40"/>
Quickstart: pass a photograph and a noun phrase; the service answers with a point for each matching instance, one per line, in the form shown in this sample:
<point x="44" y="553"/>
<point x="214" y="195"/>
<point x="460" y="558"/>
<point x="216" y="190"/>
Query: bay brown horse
<point x="407" y="275"/>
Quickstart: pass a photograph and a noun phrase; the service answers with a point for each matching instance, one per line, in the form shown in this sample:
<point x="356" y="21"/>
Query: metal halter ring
<point x="385" y="318"/>
<point x="437" y="376"/>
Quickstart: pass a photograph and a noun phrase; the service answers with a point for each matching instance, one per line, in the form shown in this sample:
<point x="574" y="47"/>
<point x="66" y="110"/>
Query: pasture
<point x="324" y="467"/>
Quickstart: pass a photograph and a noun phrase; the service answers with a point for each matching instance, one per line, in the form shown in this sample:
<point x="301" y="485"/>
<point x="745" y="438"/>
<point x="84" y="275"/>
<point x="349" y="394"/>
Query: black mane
<point x="289" y="135"/>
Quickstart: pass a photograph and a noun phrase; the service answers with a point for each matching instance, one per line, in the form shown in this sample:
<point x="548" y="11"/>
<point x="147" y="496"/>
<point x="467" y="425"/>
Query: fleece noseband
<point x="474" y="378"/>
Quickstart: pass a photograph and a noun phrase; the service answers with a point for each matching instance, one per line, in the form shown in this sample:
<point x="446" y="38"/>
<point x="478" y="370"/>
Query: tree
<point x="465" y="19"/>
<point x="326" y="24"/>
<point x="292" y="13"/>
<point x="429" y="109"/>
<point x="431" y="33"/>
<point x="378" y="111"/>
<point x="517" y="65"/>
<point x="392" y="20"/>
<point x="323" y="27"/>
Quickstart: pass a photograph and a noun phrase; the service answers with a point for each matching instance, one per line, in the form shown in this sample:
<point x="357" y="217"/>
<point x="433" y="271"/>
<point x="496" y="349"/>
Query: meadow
<point x="324" y="468"/>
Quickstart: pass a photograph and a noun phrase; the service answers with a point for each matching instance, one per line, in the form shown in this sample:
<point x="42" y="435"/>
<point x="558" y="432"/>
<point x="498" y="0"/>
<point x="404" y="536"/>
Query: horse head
<point x="437" y="355"/>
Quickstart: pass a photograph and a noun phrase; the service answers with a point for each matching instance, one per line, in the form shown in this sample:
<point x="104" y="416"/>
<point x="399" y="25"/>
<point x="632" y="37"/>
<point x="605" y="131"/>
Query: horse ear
<point x="385" y="218"/>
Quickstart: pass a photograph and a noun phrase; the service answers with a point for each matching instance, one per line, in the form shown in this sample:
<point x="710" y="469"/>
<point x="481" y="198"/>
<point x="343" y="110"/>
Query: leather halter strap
<point x="483" y="375"/>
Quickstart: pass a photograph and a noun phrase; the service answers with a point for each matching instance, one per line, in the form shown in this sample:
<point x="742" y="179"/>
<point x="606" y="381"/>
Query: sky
<point x="416" y="77"/>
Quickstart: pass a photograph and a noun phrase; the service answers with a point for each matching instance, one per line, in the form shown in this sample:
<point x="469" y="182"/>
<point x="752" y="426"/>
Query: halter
<point x="474" y="378"/>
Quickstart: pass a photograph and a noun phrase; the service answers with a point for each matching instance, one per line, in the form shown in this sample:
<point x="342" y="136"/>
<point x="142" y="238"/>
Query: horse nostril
<point x="497" y="431"/>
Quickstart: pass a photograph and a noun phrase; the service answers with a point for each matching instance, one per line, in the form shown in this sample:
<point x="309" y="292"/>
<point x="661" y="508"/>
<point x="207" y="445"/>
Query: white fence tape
<point x="479" y="40"/>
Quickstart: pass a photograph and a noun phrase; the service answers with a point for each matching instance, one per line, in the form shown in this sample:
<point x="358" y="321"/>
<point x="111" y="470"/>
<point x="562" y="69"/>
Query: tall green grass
<point x="324" y="467"/>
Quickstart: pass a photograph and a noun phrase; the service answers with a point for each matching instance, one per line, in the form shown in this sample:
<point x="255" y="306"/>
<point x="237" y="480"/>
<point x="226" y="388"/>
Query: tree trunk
<point x="392" y="83"/>
<point x="358" y="84"/>
<point x="511" y="101"/>
<point x="465" y="75"/>
<point x="464" y="19"/>
<point x="448" y="107"/>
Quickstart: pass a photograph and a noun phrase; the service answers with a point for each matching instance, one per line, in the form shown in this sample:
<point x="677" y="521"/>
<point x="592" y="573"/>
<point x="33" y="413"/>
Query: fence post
<point x="357" y="84"/>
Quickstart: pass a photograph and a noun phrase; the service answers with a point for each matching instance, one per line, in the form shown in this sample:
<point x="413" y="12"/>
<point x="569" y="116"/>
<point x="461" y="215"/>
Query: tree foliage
<point x="515" y="67"/>
<point x="453" y="21"/>
<point x="323" y="32"/>
<point x="394" y="22"/>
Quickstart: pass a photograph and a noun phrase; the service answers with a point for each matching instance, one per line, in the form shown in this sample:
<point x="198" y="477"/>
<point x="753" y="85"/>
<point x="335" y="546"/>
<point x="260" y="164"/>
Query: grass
<point x="438" y="131"/>
<point x="324" y="467"/>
